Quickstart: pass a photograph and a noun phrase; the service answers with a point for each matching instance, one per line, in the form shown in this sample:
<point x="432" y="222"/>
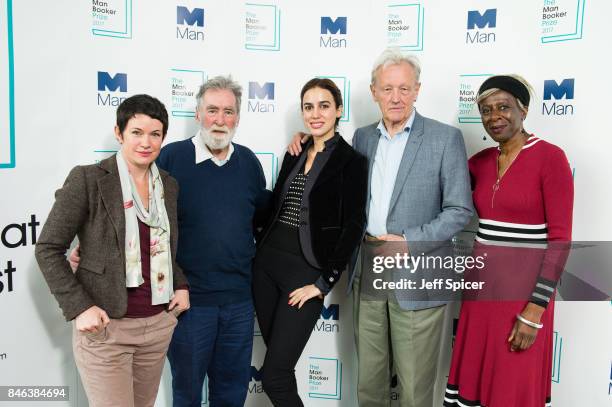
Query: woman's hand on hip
<point x="92" y="320"/>
<point x="180" y="301"/>
<point x="301" y="295"/>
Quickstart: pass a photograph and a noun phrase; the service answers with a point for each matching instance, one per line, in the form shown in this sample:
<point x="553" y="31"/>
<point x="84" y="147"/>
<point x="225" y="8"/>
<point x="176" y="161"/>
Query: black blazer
<point x="333" y="215"/>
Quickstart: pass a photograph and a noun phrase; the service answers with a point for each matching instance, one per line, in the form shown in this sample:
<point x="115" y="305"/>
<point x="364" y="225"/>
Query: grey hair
<point x="491" y="91"/>
<point x="394" y="56"/>
<point x="218" y="83"/>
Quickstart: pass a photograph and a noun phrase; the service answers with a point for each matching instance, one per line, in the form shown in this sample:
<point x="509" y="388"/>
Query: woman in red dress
<point x="523" y="193"/>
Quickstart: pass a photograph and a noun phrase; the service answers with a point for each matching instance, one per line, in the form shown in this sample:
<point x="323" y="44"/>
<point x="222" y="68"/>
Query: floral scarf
<point x="157" y="220"/>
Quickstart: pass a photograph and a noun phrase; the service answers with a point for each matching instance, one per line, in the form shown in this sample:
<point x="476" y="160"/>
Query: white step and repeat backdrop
<point x="65" y="65"/>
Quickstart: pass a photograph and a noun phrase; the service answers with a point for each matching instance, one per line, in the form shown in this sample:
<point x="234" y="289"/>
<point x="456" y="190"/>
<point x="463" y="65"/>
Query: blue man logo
<point x="112" y="83"/>
<point x="261" y="92"/>
<point x="186" y="17"/>
<point x="559" y="91"/>
<point x="255" y="374"/>
<point x="333" y="312"/>
<point x="329" y="26"/>
<point x="475" y="19"/>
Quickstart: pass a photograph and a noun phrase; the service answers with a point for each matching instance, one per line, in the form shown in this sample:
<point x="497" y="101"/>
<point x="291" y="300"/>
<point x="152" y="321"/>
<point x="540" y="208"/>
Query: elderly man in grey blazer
<point x="419" y="196"/>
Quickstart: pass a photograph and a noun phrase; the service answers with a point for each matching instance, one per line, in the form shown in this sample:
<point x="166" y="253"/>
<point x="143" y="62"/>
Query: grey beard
<point x="215" y="143"/>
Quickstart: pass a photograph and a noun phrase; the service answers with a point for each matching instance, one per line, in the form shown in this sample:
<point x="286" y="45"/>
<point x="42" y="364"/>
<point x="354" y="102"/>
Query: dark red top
<point x="139" y="298"/>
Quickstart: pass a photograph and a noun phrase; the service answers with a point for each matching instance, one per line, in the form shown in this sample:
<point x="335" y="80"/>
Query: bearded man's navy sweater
<point x="216" y="208"/>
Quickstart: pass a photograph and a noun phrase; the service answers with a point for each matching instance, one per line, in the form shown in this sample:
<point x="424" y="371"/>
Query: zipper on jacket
<point x="495" y="188"/>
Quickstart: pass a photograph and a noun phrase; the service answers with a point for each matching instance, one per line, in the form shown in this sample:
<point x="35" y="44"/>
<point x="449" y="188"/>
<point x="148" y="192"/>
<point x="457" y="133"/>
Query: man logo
<point x="257" y="91"/>
<point x="112" y="83"/>
<point x="559" y="91"/>
<point x="329" y="313"/>
<point x="329" y="26"/>
<point x="481" y="21"/>
<point x="333" y="312"/>
<point x="255" y="387"/>
<point x="255" y="374"/>
<point x="556" y="91"/>
<point x="186" y="17"/>
<point x="107" y="84"/>
<point x="475" y="19"/>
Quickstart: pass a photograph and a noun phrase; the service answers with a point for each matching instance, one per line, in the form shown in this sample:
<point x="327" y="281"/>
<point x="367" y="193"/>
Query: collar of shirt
<point x="202" y="153"/>
<point x="329" y="144"/>
<point x="407" y="126"/>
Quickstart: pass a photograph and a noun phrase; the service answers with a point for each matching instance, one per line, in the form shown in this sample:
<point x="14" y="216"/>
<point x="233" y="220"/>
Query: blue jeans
<point x="213" y="340"/>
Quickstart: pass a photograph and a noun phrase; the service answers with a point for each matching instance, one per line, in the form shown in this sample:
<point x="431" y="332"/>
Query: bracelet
<point x="528" y="322"/>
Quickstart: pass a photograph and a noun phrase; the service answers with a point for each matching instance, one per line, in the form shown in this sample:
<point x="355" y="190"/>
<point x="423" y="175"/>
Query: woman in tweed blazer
<point x="127" y="290"/>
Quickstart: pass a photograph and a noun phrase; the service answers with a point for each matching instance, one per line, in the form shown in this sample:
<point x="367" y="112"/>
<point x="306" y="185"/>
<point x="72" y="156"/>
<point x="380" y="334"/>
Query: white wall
<point x="58" y="123"/>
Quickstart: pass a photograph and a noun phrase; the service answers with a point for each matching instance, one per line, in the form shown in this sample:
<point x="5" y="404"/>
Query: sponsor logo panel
<point x="7" y="89"/>
<point x="324" y="378"/>
<point x="466" y="98"/>
<point x="112" y="18"/>
<point x="405" y="23"/>
<point x="562" y="20"/>
<point x="184" y="85"/>
<point x="262" y="27"/>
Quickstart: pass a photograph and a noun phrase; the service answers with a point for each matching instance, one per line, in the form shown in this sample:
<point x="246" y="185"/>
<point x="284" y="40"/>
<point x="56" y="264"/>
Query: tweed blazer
<point x="431" y="199"/>
<point x="90" y="206"/>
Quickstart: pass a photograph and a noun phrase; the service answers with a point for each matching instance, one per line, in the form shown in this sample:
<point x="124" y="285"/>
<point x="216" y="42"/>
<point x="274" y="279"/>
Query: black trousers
<point x="277" y="271"/>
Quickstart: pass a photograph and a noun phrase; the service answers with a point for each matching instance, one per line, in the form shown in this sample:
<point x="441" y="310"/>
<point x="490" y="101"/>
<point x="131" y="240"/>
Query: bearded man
<point x="222" y="189"/>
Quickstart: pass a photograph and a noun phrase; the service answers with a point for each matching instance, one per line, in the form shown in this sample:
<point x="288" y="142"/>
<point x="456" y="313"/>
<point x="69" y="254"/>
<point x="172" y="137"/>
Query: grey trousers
<point x="385" y="336"/>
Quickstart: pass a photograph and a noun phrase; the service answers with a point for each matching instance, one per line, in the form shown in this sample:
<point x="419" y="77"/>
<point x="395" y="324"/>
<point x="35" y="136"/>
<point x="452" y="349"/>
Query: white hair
<point x="394" y="56"/>
<point x="218" y="83"/>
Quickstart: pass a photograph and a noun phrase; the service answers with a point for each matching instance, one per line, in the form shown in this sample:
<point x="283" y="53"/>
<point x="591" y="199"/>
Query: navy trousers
<point x="216" y="341"/>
